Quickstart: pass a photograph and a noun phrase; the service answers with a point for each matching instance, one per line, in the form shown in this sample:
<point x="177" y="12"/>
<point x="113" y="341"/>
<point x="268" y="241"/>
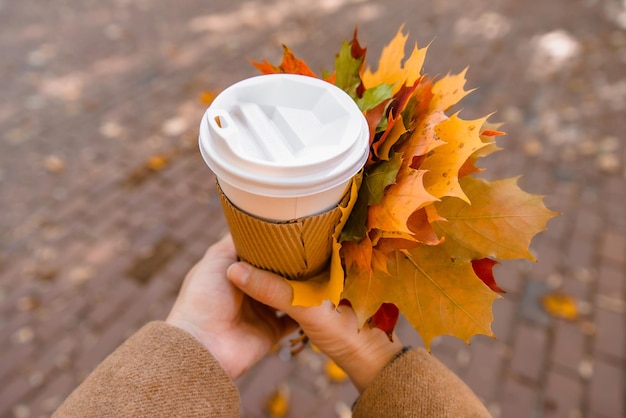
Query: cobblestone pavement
<point x="105" y="202"/>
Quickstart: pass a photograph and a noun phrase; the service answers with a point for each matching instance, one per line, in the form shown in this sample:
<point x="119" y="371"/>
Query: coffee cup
<point x="285" y="149"/>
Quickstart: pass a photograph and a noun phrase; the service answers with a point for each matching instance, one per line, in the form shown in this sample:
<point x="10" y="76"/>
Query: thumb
<point x="263" y="286"/>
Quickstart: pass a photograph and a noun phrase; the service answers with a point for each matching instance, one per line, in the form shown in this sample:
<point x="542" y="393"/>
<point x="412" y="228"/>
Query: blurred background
<point x="105" y="202"/>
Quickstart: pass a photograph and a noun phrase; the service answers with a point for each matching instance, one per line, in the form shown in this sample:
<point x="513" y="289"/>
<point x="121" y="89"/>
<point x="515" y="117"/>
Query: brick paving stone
<point x="453" y="353"/>
<point x="55" y="358"/>
<point x="52" y="395"/>
<point x="511" y="277"/>
<point x="580" y="252"/>
<point x="177" y="269"/>
<point x="549" y="259"/>
<point x="12" y="392"/>
<point x="557" y="227"/>
<point x="107" y="274"/>
<point x="84" y="227"/>
<point x="530" y="307"/>
<point x="616" y="213"/>
<point x="611" y="281"/>
<point x="568" y="347"/>
<point x="504" y="311"/>
<point x="610" y="340"/>
<point x="587" y="223"/>
<point x="606" y="392"/>
<point x="261" y="382"/>
<point x="518" y="400"/>
<point x="49" y="328"/>
<point x="342" y="395"/>
<point x="529" y="351"/>
<point x="485" y="367"/>
<point x="309" y="368"/>
<point x="614" y="247"/>
<point x="14" y="359"/>
<point x="613" y="187"/>
<point x="102" y="251"/>
<point x="136" y="312"/>
<point x="302" y="402"/>
<point x="578" y="289"/>
<point x="13" y="295"/>
<point x="562" y="396"/>
<point x="17" y="321"/>
<point x="110" y="303"/>
<point x="407" y="333"/>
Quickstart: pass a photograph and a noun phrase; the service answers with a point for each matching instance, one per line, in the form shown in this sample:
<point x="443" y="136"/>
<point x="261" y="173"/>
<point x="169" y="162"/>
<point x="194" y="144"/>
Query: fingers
<point x="283" y="324"/>
<point x="263" y="286"/>
<point x="224" y="246"/>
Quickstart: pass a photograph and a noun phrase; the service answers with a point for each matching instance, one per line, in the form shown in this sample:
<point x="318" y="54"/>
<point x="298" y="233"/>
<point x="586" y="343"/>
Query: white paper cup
<point x="284" y="146"/>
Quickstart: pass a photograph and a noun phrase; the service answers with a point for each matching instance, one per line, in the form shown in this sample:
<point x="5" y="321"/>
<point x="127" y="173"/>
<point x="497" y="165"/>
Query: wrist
<point x="211" y="344"/>
<point x="368" y="360"/>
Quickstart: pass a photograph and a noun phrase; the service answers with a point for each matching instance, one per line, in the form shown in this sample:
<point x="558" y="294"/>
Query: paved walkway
<point x="105" y="202"/>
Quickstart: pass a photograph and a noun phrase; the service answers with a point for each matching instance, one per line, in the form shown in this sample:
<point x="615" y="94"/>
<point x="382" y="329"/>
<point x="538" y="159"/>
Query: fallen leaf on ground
<point x="560" y="305"/>
<point x="334" y="372"/>
<point x="206" y="97"/>
<point x="54" y="164"/>
<point x="278" y="402"/>
<point x="157" y="162"/>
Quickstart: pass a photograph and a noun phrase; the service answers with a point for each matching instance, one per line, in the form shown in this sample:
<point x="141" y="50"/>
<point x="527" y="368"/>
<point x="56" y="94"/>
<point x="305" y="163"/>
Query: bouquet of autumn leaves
<point x="420" y="234"/>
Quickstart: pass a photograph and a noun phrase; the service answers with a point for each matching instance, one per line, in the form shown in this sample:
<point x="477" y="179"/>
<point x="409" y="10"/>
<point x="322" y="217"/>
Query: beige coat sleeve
<point x="163" y="371"/>
<point x="418" y="385"/>
<point x="159" y="371"/>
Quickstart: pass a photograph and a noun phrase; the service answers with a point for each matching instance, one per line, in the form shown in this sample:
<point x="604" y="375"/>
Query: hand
<point x="361" y="354"/>
<point x="236" y="329"/>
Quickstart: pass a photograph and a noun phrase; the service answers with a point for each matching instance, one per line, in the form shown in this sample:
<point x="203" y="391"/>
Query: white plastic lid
<point x="284" y="135"/>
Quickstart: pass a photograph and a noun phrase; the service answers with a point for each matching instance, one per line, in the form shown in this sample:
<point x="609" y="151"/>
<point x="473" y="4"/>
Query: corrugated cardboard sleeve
<point x="294" y="249"/>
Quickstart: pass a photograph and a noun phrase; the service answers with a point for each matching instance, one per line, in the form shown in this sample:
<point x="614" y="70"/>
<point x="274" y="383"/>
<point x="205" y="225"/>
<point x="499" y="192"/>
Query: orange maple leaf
<point x="395" y="129"/>
<point x="289" y="65"/>
<point x="391" y="70"/>
<point x="399" y="202"/>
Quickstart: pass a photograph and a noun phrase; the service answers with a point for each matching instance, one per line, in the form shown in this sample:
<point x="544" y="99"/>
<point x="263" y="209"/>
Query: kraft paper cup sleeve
<point x="295" y="249"/>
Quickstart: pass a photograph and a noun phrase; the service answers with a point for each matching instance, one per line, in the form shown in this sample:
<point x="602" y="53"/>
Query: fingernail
<point x="238" y="273"/>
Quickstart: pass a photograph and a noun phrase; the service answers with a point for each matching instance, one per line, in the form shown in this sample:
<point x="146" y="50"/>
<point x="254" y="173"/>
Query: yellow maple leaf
<point x="423" y="139"/>
<point x="487" y="133"/>
<point x="362" y="290"/>
<point x="500" y="222"/>
<point x="448" y="91"/>
<point x="390" y="68"/>
<point x="462" y="139"/>
<point x="444" y="297"/>
<point x="437" y="295"/>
